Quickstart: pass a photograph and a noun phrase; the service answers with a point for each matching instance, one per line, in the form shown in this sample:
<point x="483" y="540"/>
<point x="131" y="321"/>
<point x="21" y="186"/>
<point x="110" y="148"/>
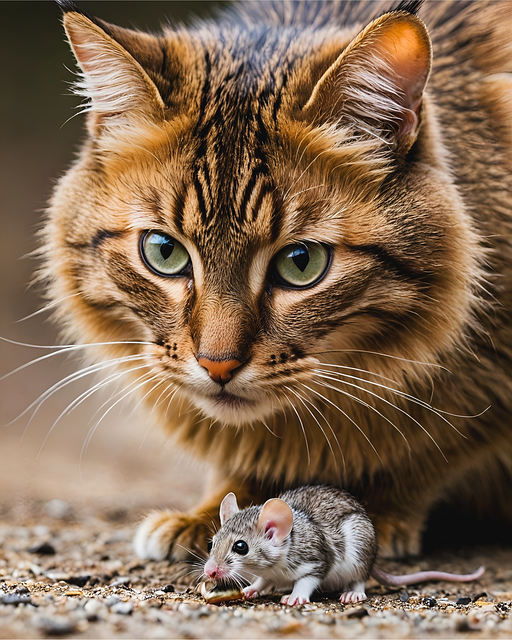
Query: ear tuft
<point x="409" y="6"/>
<point x="276" y="520"/>
<point x="118" y="90"/>
<point x="228" y="507"/>
<point x="376" y="85"/>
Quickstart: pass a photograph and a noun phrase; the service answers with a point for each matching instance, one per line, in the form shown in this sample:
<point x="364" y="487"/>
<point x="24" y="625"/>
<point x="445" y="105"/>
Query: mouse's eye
<point x="209" y="546"/>
<point x="241" y="547"/>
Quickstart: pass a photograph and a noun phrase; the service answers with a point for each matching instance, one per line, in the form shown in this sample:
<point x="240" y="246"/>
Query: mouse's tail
<point x="389" y="580"/>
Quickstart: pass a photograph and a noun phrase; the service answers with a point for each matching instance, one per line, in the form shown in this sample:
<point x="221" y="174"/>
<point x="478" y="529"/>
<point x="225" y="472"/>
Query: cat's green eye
<point x="301" y="265"/>
<point x="164" y="255"/>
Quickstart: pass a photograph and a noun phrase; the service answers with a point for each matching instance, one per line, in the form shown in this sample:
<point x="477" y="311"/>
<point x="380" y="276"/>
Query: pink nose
<point x="212" y="570"/>
<point x="219" y="371"/>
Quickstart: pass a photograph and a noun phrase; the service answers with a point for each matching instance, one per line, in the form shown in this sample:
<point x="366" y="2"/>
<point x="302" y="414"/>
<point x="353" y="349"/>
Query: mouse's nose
<point x="212" y="570"/>
<point x="220" y="371"/>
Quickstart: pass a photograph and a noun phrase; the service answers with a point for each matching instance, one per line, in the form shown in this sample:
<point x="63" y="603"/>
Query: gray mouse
<point x="310" y="538"/>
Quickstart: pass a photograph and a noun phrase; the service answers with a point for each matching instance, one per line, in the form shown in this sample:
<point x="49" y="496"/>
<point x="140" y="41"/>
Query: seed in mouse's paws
<point x="218" y="593"/>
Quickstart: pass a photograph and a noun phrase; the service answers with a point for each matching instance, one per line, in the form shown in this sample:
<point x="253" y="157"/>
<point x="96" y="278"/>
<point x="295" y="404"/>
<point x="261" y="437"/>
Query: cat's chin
<point x="232" y="409"/>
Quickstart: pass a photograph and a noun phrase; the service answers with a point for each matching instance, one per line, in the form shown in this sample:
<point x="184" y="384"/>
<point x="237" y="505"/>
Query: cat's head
<point x="252" y="201"/>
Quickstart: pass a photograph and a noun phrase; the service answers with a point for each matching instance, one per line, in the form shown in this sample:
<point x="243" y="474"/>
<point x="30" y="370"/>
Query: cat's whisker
<point x="312" y="404"/>
<point x="301" y="399"/>
<point x="268" y="428"/>
<point x="87" y="394"/>
<point x="303" y="431"/>
<point x="47" y="307"/>
<point x="370" y="373"/>
<point x="397" y="408"/>
<point x="77" y="401"/>
<point x="76" y="375"/>
<point x="151" y="390"/>
<point x="91" y="432"/>
<point x="326" y="400"/>
<point x="59" y="349"/>
<point x="372" y="408"/>
<point x="383" y="355"/>
<point x="439" y="412"/>
<point x="125" y="388"/>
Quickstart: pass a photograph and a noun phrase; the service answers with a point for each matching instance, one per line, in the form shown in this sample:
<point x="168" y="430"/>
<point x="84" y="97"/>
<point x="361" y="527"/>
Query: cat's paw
<point x="172" y="535"/>
<point x="398" y="538"/>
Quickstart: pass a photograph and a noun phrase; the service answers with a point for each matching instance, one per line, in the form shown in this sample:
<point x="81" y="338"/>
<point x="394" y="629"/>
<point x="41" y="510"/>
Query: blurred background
<point x="128" y="464"/>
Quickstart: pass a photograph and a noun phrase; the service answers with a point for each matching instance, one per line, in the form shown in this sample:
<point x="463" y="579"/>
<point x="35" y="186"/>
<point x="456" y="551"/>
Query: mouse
<point x="313" y="538"/>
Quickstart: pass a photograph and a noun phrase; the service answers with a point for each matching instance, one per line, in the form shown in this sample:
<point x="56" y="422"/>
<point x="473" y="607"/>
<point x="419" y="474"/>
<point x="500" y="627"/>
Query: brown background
<point x="122" y="466"/>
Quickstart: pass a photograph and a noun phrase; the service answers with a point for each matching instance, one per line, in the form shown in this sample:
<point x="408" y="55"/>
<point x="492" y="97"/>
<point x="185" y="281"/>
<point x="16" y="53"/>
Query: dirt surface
<point x="67" y="570"/>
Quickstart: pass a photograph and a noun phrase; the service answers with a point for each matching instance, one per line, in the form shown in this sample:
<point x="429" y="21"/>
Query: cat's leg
<point x="178" y="536"/>
<point x="399" y="536"/>
<point x="302" y="591"/>
<point x="356" y="593"/>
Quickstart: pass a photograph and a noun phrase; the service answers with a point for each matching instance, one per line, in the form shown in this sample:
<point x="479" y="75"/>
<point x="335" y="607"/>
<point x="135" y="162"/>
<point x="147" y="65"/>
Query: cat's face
<point x="242" y="232"/>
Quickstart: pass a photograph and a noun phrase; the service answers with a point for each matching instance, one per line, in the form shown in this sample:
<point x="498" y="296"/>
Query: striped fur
<point x="284" y="123"/>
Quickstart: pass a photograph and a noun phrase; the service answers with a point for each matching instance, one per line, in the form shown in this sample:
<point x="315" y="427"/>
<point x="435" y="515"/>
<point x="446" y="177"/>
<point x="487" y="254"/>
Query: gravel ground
<point x="76" y="576"/>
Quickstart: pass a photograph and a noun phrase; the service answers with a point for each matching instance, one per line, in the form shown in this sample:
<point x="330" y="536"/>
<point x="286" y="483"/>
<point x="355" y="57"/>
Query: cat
<point x="288" y="232"/>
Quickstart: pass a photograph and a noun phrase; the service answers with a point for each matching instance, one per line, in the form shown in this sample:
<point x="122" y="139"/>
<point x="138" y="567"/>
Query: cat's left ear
<point x="376" y="85"/>
<point x="118" y="89"/>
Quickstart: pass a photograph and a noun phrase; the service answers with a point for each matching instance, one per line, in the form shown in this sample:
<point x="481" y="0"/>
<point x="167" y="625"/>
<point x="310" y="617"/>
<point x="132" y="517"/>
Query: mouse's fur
<point x="307" y="539"/>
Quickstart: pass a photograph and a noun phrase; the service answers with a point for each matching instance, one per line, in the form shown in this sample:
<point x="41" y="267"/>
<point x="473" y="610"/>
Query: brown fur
<point x="237" y="151"/>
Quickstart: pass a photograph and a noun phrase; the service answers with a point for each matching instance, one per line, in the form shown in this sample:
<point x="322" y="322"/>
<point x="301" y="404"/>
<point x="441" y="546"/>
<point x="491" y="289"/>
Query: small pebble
<point x="110" y="602"/>
<point x="124" y="608"/>
<point x="15" y="599"/>
<point x="429" y="602"/>
<point x="53" y="626"/>
<point x="43" y="549"/>
<point x="169" y="588"/>
<point x="78" y="581"/>
<point x="404" y="596"/>
<point x="360" y="612"/>
<point x="58" y="509"/>
<point x="94" y="608"/>
<point x="121" y="581"/>
<point x="463" y="600"/>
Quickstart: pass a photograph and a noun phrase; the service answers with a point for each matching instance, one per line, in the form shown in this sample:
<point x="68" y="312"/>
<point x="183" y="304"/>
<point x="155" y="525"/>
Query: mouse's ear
<point x="228" y="507"/>
<point x="276" y="520"/>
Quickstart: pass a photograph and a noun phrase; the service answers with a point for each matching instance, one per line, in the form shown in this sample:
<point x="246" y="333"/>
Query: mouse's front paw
<point x="250" y="592"/>
<point x="172" y="535"/>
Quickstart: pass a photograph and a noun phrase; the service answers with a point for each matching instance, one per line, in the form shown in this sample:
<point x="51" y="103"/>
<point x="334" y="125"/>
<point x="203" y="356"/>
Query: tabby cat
<point x="289" y="233"/>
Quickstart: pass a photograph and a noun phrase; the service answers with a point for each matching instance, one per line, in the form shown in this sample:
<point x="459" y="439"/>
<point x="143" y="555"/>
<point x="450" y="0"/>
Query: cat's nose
<point x="219" y="370"/>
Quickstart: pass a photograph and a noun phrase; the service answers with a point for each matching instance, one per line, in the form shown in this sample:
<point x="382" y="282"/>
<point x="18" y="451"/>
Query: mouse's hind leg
<point x="356" y="593"/>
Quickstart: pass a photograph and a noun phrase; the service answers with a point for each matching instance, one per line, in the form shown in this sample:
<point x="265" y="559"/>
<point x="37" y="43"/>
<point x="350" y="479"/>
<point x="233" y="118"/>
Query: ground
<point x="69" y="570"/>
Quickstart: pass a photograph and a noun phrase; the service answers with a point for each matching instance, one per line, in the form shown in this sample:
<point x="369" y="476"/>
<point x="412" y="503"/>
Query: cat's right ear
<point x="376" y="85"/>
<point x="228" y="507"/>
<point x="118" y="90"/>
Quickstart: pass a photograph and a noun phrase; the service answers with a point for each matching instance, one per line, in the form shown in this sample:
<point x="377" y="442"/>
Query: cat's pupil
<point x="166" y="249"/>
<point x="300" y="257"/>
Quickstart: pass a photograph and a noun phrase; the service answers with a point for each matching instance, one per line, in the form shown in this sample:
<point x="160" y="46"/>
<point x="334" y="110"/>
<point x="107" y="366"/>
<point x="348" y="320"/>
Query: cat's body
<point x="256" y="146"/>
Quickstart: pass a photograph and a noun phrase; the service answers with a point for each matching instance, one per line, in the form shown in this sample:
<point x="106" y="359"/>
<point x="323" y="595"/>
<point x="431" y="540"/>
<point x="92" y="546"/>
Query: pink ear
<point x="276" y="520"/>
<point x="228" y="507"/>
